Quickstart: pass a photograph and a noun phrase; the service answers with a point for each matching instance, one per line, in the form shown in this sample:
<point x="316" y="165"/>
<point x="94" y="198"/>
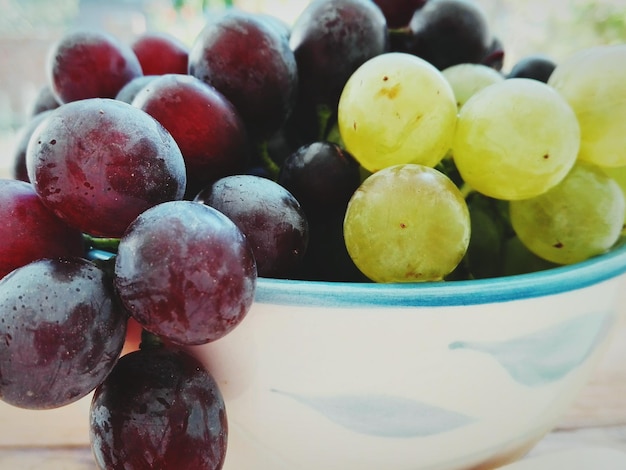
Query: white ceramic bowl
<point x="457" y="375"/>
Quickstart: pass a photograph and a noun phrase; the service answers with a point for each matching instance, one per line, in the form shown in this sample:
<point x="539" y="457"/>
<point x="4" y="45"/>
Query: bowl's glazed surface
<point x="444" y="376"/>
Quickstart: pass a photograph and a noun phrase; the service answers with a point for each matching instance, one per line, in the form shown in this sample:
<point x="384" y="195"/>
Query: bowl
<point x="447" y="376"/>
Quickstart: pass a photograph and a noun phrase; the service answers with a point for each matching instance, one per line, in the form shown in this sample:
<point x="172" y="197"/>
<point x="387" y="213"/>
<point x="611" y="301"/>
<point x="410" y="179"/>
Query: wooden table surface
<point x="58" y="439"/>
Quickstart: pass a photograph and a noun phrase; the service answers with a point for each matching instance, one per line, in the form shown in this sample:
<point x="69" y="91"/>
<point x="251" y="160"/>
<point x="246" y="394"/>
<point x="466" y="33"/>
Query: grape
<point x="98" y="163"/>
<point x="268" y="215"/>
<point x="515" y="139"/>
<point x="206" y="126"/>
<point x="62" y="332"/>
<point x="249" y="61"/>
<point x="516" y="258"/>
<point x="397" y="108"/>
<point x="19" y="169"/>
<point x="326" y="257"/>
<point x="450" y="32"/>
<point x="322" y="177"/>
<point x="30" y="230"/>
<point x="581" y="217"/>
<point x="44" y="100"/>
<point x="592" y="81"/>
<point x="619" y="175"/>
<point x="160" y="53"/>
<point x="489" y="231"/>
<point x="90" y="64"/>
<point x="398" y="13"/>
<point x="407" y="223"/>
<point x="185" y="272"/>
<point x="330" y="40"/>
<point x="536" y="66"/>
<point x="467" y="79"/>
<point x="129" y="91"/>
<point x="159" y="408"/>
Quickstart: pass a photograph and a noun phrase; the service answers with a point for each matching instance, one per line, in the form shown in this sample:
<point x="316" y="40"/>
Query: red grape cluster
<point x="197" y="169"/>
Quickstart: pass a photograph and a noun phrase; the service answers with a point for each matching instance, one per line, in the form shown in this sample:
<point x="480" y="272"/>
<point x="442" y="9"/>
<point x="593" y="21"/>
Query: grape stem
<point x="466" y="190"/>
<point x="102" y="243"/>
<point x="268" y="163"/>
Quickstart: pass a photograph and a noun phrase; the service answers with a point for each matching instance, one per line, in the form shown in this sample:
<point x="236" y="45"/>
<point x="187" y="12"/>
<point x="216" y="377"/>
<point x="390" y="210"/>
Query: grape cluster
<point x="370" y="141"/>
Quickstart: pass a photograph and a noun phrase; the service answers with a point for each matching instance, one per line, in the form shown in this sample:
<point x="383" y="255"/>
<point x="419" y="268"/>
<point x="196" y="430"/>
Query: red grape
<point x="206" y="126"/>
<point x="269" y="216"/>
<point x="450" y="32"/>
<point x="90" y="64"/>
<point x="185" y="272"/>
<point x="30" y="230"/>
<point x="330" y="40"/>
<point x="160" y="53"/>
<point x="20" y="171"/>
<point x="98" y="163"/>
<point x="249" y="61"/>
<point x="62" y="332"/>
<point x="44" y="100"/>
<point x="399" y="12"/>
<point x="159" y="408"/>
<point x="322" y="176"/>
<point x="129" y="91"/>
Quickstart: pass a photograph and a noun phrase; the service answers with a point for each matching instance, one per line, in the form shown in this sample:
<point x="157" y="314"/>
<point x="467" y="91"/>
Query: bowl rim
<point x="551" y="281"/>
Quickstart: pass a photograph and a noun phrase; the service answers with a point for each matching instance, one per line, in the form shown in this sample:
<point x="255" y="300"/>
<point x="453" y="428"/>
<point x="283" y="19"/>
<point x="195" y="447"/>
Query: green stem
<point x="102" y="243"/>
<point x="269" y="164"/>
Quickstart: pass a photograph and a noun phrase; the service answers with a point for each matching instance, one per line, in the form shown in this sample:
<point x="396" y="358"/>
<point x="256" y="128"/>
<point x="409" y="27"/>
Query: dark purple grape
<point x="398" y="13"/>
<point x="206" y="126"/>
<point x="249" y="61"/>
<point x="98" y="163"/>
<point x="269" y="216"/>
<point x="44" y="101"/>
<point x="61" y="332"/>
<point x="327" y="258"/>
<point x="161" y="409"/>
<point x="450" y="32"/>
<point x="330" y="40"/>
<point x="185" y="272"/>
<point x="29" y="230"/>
<point x="160" y="53"/>
<point x="536" y="66"/>
<point x="322" y="177"/>
<point x="19" y="170"/>
<point x="129" y="91"/>
<point x="90" y="64"/>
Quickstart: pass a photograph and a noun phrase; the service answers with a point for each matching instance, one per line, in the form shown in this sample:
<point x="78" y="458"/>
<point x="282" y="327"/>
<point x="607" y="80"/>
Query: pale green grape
<point x="515" y="139"/>
<point x="593" y="81"/>
<point x="407" y="223"/>
<point x="579" y="218"/>
<point x="397" y="108"/>
<point x="467" y="79"/>
<point x="619" y="175"/>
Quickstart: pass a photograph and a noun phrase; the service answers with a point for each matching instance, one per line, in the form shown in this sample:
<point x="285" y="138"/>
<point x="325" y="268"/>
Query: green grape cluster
<point x="528" y="175"/>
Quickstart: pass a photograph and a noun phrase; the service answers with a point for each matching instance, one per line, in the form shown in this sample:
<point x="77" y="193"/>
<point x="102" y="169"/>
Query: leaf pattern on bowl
<point x="547" y="355"/>
<point x="383" y="415"/>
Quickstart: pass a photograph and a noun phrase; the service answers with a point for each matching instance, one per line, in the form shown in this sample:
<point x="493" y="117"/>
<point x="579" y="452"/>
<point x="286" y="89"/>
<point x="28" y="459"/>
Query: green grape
<point x="619" y="175"/>
<point x="407" y="223"/>
<point x="490" y="229"/>
<point x="518" y="259"/>
<point x="593" y="81"/>
<point x="515" y="139"/>
<point x="579" y="218"/>
<point x="397" y="108"/>
<point x="467" y="79"/>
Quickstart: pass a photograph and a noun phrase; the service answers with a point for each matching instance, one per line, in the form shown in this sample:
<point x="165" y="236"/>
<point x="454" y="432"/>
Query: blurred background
<point x="555" y="28"/>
